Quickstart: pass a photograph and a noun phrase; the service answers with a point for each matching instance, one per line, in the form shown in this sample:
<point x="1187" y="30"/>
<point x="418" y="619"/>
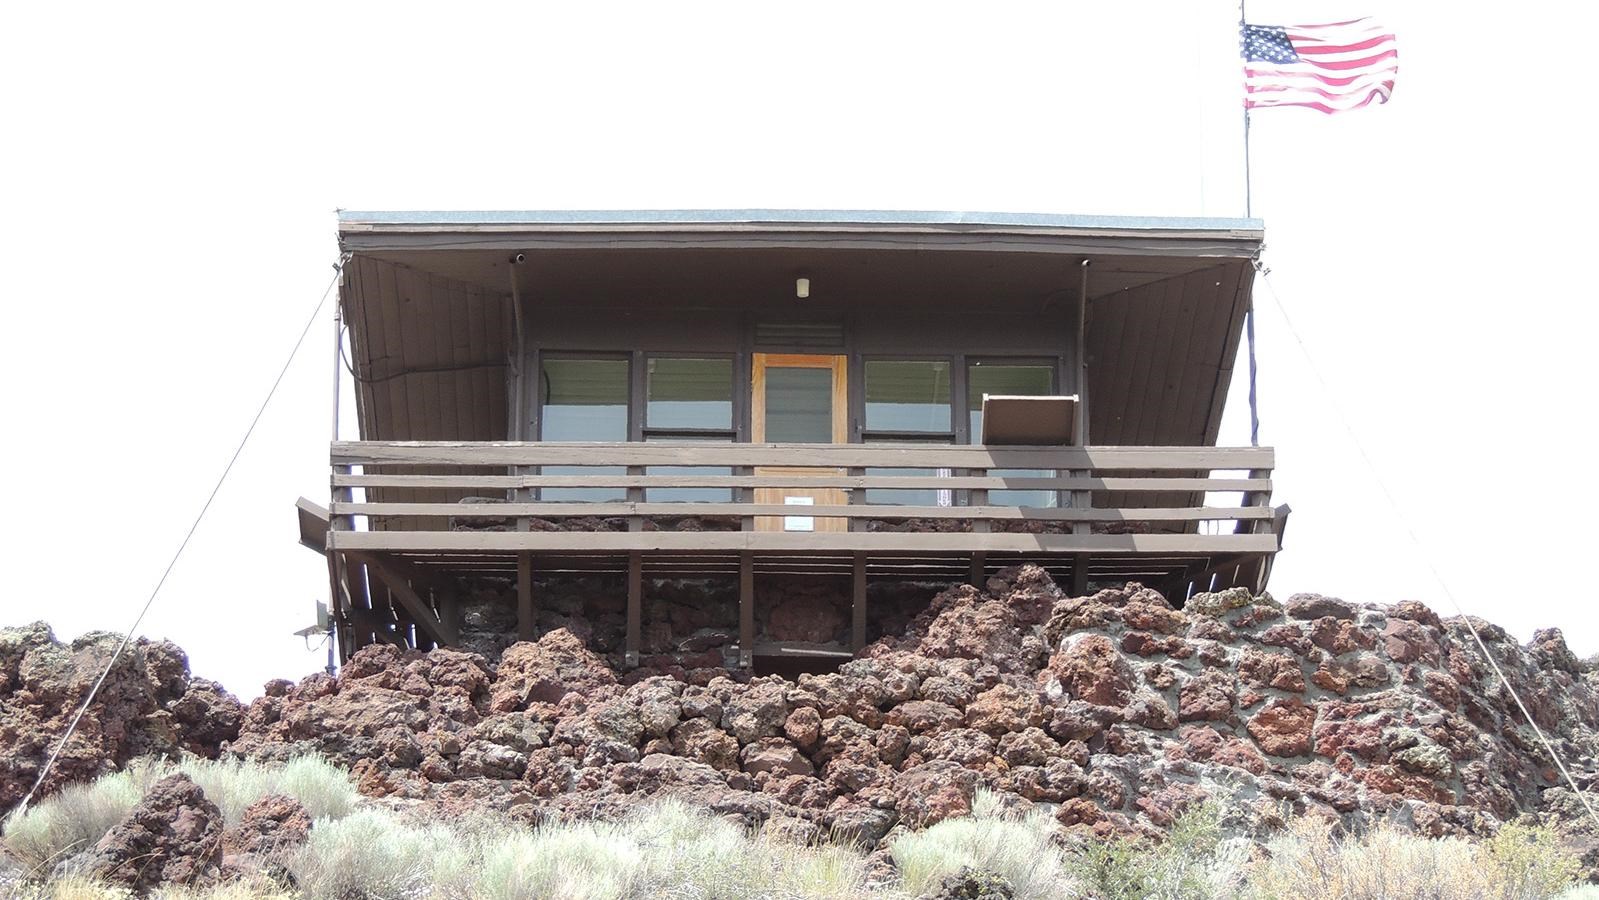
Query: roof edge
<point x="775" y="219"/>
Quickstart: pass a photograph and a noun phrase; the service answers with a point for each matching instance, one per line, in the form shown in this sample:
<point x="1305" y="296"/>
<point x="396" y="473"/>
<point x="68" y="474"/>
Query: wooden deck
<point x="408" y="513"/>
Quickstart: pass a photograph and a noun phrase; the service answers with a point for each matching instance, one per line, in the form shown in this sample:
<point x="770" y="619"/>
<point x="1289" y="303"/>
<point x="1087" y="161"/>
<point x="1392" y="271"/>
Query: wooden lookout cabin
<point x="752" y="395"/>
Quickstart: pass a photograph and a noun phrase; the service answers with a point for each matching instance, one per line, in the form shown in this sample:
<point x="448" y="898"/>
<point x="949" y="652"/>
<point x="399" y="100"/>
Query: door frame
<point x="838" y="363"/>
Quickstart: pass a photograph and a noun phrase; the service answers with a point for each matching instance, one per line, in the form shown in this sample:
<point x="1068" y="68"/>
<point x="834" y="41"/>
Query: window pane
<point x="584" y="400"/>
<point x="1016" y="381"/>
<point x="690" y="393"/>
<point x="907" y="395"/>
<point x="799" y="404"/>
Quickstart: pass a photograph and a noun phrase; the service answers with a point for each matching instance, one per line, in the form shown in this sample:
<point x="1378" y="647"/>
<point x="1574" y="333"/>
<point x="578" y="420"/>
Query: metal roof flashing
<point x="775" y="219"/>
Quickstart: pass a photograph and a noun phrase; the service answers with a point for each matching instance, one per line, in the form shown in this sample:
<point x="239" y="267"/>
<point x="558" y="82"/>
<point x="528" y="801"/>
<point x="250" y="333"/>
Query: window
<point x="1003" y="378"/>
<point x="689" y="399"/>
<point x="689" y="395"/>
<point x="907" y="396"/>
<point x="584" y="400"/>
<point x="908" y="400"/>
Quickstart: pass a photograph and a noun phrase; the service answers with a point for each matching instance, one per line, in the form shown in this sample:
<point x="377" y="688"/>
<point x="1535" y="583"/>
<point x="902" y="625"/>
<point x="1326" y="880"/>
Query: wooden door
<point x="799" y="398"/>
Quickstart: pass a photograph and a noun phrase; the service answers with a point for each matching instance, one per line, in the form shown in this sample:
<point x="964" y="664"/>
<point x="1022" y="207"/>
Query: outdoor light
<point x="802" y="288"/>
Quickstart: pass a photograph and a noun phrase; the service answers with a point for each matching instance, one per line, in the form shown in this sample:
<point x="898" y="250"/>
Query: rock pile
<point x="149" y="705"/>
<point x="1118" y="710"/>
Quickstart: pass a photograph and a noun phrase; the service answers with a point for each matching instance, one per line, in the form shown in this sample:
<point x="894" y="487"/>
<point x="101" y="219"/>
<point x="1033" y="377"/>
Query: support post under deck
<point x="635" y="607"/>
<point x="858" y="617"/>
<point x="746" y="609"/>
<point x="524" y="597"/>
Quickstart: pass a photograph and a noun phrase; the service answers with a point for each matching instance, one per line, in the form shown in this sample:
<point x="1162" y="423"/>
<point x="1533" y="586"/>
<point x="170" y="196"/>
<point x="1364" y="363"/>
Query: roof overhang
<point x="361" y="231"/>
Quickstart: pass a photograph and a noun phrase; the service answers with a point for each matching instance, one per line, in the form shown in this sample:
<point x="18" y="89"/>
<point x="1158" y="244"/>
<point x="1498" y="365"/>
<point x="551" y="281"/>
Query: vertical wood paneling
<point x="460" y="355"/>
<point x="1243" y="287"/>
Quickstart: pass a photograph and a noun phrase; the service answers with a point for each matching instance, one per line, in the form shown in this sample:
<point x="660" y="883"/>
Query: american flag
<point x="1333" y="68"/>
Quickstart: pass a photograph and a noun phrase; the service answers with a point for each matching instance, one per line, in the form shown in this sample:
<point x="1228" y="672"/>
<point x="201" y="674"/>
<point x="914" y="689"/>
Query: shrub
<point x="578" y="861"/>
<point x="1530" y="861"/>
<point x="1309" y="861"/>
<point x="1017" y="848"/>
<point x="321" y="787"/>
<point x="77" y="816"/>
<point x="1192" y="863"/>
<point x="371" y="853"/>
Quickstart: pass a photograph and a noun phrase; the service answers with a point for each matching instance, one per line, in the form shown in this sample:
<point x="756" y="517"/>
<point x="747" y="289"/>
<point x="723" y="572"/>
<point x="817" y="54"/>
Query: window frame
<point x="865" y="434"/>
<point x="543" y="387"/>
<point x="736" y="385"/>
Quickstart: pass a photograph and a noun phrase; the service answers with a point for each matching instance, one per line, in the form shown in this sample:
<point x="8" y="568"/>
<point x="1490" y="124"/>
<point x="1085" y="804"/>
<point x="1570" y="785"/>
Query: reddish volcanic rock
<point x="1407" y="641"/>
<point x="173" y="836"/>
<point x="1351" y="713"/>
<point x="1207" y="697"/>
<point x="1340" y="635"/>
<point x="804" y="727"/>
<point x="1315" y="606"/>
<point x="1283" y="727"/>
<point x="775" y="755"/>
<point x="1004" y="708"/>
<point x="1089" y="669"/>
<point x="1275" y="670"/>
<point x="268" y="831"/>
<point x="547" y="671"/>
<point x="935" y="791"/>
<point x="148" y="705"/>
<point x="924" y="715"/>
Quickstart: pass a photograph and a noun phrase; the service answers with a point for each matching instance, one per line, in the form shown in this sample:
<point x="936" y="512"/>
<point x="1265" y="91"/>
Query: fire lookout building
<point x="748" y="395"/>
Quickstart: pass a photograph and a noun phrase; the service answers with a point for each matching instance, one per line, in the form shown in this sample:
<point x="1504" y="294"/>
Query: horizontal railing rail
<point x="668" y="453"/>
<point x="486" y="497"/>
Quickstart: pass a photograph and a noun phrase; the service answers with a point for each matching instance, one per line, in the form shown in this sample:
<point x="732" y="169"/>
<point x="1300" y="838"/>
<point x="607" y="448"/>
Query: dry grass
<point x="669" y="849"/>
<point x="76" y="817"/>
<point x="1017" y="848"/>
<point x="1310" y="862"/>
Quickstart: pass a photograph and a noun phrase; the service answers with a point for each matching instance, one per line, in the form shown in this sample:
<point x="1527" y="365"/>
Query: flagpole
<point x="1249" y="212"/>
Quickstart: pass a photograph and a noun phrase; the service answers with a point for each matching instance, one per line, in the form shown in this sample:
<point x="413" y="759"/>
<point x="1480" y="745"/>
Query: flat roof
<point x="535" y="230"/>
<point x="355" y="219"/>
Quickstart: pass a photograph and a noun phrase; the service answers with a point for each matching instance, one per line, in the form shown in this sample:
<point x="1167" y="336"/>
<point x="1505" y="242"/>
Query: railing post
<point x="1081" y="499"/>
<point x="341" y="601"/>
<point x="745" y="495"/>
<point x="857" y="497"/>
<point x="635" y="495"/>
<point x="1259" y="498"/>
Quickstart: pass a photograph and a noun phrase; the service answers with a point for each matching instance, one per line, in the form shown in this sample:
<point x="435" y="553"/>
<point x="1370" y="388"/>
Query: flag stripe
<point x="1289" y="78"/>
<point x="1329" y="67"/>
<point x="1367" y="44"/>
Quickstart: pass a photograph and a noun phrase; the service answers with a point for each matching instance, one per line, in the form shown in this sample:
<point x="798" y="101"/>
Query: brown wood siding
<point x="1160" y="357"/>
<point x="419" y="345"/>
<point x="1160" y="360"/>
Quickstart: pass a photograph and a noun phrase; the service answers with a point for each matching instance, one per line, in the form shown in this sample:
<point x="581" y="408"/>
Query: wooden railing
<point x="427" y="497"/>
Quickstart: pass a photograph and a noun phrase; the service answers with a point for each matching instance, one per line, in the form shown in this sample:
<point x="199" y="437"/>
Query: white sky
<point x="170" y="176"/>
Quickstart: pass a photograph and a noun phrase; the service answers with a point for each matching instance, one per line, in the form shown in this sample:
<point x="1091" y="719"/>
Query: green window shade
<point x="1006" y="379"/>
<point x="690" y="393"/>
<point x="799" y="405"/>
<point x="907" y="395"/>
<point x="584" y="400"/>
